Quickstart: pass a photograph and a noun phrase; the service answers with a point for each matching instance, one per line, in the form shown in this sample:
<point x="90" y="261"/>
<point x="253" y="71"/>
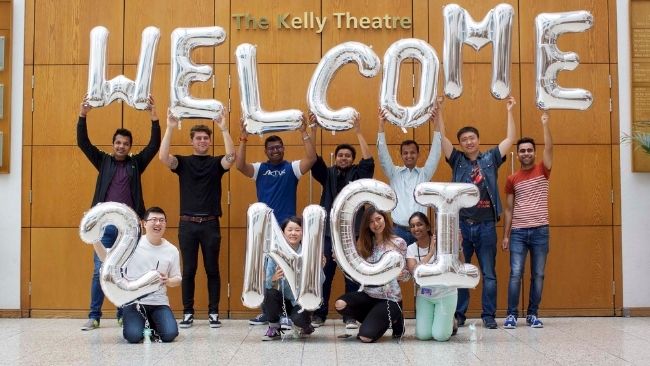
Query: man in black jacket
<point x="118" y="181"/>
<point x="333" y="179"/>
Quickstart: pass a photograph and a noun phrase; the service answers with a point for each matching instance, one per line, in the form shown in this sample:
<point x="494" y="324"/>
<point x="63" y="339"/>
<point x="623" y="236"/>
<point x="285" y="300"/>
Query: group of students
<point x="375" y="309"/>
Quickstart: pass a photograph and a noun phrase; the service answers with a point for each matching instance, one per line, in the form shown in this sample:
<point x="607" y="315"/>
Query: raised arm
<point x="548" y="142"/>
<point x="385" y="159"/>
<point x="169" y="160"/>
<point x="365" y="151"/>
<point x="511" y="134"/>
<point x="149" y="151"/>
<point x="229" y="157"/>
<point x="431" y="164"/>
<point x="310" y="151"/>
<point x="507" y="215"/>
<point x="240" y="158"/>
<point x="91" y="151"/>
<point x="447" y="146"/>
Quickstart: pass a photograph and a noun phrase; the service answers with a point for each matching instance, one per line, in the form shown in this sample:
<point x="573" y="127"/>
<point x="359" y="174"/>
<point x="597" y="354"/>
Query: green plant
<point x="642" y="139"/>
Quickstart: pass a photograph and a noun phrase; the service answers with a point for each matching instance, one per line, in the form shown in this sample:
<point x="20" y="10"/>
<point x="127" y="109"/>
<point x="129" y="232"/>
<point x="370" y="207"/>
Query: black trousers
<point x="373" y="313"/>
<point x="272" y="307"/>
<point x="207" y="235"/>
<point x="330" y="271"/>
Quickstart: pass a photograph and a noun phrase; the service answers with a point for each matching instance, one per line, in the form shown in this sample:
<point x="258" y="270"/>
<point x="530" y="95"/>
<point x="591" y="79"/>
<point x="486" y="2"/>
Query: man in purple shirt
<point x="118" y="181"/>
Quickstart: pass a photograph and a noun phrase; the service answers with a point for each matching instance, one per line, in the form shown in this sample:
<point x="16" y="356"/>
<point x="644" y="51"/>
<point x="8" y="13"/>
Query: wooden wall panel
<point x="27" y="105"/>
<point x="578" y="127"/>
<point x="62" y="267"/>
<point x="167" y="15"/>
<point x="62" y="34"/>
<point x="55" y="171"/>
<point x="587" y="279"/>
<point x="478" y="10"/>
<point x="589" y="45"/>
<point x="25" y="270"/>
<point x="25" y="207"/>
<point x="614" y="121"/>
<point x="379" y="40"/>
<point x="476" y="107"/>
<point x="277" y="45"/>
<point x="616" y="185"/>
<point x="29" y="32"/>
<point x="581" y="184"/>
<point x="612" y="31"/>
<point x="55" y="122"/>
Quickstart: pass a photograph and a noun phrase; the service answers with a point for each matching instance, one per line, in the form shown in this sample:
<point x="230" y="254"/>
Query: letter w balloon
<point x="103" y="92"/>
<point x="448" y="199"/>
<point x="119" y="289"/>
<point x="302" y="271"/>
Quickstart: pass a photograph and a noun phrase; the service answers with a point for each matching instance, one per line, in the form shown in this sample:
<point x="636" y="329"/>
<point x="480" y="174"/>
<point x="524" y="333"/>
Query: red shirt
<point x="530" y="188"/>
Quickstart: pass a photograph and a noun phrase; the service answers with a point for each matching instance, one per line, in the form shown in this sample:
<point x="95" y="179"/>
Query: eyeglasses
<point x="157" y="220"/>
<point x="275" y="148"/>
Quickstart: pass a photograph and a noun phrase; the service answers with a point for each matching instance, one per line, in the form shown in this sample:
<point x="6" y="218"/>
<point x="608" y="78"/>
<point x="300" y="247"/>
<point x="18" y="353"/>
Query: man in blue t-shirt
<point x="276" y="180"/>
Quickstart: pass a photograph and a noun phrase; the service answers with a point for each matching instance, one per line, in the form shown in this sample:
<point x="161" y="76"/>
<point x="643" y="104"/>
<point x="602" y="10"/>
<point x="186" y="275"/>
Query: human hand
<point x="222" y="122"/>
<point x="85" y="107"/>
<point x="172" y="122"/>
<point x="151" y="107"/>
<point x="510" y="103"/>
<point x="277" y="275"/>
<point x="545" y="118"/>
<point x="505" y="243"/>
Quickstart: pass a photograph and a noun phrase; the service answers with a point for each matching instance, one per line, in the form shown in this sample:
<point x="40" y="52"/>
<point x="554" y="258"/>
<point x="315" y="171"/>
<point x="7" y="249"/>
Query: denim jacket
<point x="489" y="163"/>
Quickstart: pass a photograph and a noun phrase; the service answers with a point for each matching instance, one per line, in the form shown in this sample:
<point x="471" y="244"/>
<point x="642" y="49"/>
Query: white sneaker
<point x="351" y="324"/>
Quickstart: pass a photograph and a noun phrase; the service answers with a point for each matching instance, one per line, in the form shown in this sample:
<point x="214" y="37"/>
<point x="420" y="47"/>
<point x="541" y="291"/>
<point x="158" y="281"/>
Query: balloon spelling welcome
<point x="459" y="29"/>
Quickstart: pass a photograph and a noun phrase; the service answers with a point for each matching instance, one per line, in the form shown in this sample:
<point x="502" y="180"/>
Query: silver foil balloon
<point x="346" y="204"/>
<point x="118" y="288"/>
<point x="256" y="120"/>
<point x="103" y="92"/>
<point x="460" y="28"/>
<point x="334" y="59"/>
<point x="302" y="271"/>
<point x="419" y="113"/>
<point x="549" y="60"/>
<point x="184" y="72"/>
<point x="447" y="269"/>
<point x="258" y="219"/>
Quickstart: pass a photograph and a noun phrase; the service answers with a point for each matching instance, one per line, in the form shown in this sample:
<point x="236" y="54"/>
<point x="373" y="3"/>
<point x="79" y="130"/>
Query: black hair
<point x="272" y="138"/>
<point x="409" y="142"/>
<point x="465" y="130"/>
<point x="154" y="209"/>
<point x="424" y="219"/>
<point x="525" y="140"/>
<point x="123" y="132"/>
<point x="347" y="147"/>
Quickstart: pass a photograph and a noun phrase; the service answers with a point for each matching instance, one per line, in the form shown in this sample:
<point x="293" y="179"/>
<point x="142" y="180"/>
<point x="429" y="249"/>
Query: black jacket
<point x="105" y="164"/>
<point x="327" y="178"/>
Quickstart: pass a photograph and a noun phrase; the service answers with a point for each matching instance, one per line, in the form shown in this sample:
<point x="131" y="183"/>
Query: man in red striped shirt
<point x="526" y="225"/>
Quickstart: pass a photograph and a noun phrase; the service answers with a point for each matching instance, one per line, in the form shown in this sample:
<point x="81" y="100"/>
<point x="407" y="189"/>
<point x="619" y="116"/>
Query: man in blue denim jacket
<point x="478" y="223"/>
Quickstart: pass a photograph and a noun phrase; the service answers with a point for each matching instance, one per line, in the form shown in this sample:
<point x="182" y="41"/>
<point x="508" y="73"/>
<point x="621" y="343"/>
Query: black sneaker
<point x="214" y="321"/>
<point x="459" y="320"/>
<point x="260" y="319"/>
<point x="490" y="323"/>
<point x="187" y="321"/>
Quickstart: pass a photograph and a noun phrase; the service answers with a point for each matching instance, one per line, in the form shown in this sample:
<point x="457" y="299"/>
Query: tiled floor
<point x="563" y="341"/>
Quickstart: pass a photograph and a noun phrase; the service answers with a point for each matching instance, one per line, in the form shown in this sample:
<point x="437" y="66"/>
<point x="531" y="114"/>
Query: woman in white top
<point x="435" y="306"/>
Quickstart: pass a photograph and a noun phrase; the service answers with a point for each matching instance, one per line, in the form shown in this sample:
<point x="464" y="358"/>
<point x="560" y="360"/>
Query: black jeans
<point x="208" y="235"/>
<point x="330" y="271"/>
<point x="373" y="313"/>
<point x="272" y="307"/>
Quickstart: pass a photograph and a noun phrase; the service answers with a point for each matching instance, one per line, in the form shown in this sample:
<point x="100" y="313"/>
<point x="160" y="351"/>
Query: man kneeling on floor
<point x="151" y="315"/>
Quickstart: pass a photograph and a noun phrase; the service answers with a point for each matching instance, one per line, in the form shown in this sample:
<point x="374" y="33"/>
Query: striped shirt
<point x="530" y="188"/>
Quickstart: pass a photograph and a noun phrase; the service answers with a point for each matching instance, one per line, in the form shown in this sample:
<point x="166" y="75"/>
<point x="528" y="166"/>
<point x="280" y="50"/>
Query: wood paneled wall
<point x="584" y="263"/>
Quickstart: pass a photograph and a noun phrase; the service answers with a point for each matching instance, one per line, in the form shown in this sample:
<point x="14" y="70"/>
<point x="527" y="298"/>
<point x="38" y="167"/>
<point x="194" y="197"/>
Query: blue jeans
<point x="161" y="321"/>
<point x="521" y="241"/>
<point x="404" y="233"/>
<point x="480" y="238"/>
<point x="96" y="293"/>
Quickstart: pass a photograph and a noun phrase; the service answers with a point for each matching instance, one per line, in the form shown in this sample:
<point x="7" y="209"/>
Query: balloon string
<point x="148" y="331"/>
<point x="284" y="309"/>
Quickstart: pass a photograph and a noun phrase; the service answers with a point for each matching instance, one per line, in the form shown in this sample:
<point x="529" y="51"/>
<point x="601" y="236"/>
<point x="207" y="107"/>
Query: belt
<point x="197" y="219"/>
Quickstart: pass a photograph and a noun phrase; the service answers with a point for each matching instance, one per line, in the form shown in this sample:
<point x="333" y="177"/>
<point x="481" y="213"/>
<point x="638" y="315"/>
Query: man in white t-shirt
<point x="151" y="315"/>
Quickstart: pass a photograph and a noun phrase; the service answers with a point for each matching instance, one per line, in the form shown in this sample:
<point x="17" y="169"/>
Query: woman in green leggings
<point x="435" y="306"/>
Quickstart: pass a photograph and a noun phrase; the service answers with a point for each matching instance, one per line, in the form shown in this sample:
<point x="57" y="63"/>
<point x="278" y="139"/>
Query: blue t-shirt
<point x="276" y="186"/>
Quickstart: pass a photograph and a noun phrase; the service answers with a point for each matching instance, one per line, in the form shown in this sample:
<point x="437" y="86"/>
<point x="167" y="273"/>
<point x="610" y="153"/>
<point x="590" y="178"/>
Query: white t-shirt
<point x="164" y="258"/>
<point x="434" y="292"/>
